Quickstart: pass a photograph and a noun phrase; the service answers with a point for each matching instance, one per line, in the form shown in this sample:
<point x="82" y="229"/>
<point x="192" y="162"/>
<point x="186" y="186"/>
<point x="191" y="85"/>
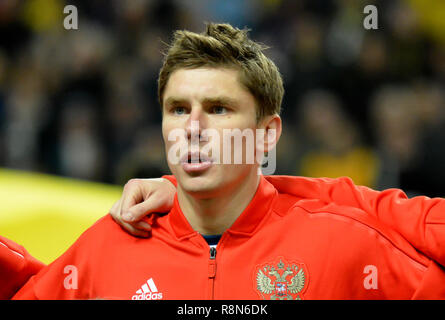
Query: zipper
<point x="212" y="272"/>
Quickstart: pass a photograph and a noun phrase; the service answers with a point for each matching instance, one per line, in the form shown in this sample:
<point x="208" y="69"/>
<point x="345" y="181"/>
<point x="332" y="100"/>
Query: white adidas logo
<point x="148" y="291"/>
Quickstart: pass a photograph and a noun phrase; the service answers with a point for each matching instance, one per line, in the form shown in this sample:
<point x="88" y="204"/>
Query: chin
<point x="205" y="185"/>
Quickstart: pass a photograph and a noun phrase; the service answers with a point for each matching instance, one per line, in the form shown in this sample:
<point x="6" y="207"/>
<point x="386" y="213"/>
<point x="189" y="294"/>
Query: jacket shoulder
<point x="344" y="218"/>
<point x="354" y="222"/>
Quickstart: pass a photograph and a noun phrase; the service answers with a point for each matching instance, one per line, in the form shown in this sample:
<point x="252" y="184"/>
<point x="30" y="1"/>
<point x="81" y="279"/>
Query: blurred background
<point x="81" y="104"/>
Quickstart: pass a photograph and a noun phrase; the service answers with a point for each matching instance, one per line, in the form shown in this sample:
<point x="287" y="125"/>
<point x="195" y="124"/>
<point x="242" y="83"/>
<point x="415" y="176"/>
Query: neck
<point x="215" y="214"/>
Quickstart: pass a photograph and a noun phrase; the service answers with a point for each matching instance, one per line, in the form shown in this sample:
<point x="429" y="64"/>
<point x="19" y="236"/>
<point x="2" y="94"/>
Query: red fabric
<point x="16" y="267"/>
<point x="420" y="220"/>
<point x="283" y="245"/>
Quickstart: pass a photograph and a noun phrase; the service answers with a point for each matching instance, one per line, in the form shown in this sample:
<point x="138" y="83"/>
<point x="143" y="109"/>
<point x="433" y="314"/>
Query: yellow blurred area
<point x="42" y="15"/>
<point x="431" y="15"/>
<point x="46" y="214"/>
<point x="359" y="164"/>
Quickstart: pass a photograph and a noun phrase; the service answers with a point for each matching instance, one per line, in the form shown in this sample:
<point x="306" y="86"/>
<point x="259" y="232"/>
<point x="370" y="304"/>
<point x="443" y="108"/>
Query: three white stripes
<point x="148" y="287"/>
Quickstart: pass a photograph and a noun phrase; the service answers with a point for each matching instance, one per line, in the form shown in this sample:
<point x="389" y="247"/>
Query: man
<point x="320" y="240"/>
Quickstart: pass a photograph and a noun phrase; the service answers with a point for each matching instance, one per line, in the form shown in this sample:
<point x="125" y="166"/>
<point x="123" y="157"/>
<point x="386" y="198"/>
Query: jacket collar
<point x="246" y="223"/>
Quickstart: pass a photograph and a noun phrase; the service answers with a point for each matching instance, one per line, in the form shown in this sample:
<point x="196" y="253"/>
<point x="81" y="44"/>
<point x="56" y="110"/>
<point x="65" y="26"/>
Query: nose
<point x="195" y="124"/>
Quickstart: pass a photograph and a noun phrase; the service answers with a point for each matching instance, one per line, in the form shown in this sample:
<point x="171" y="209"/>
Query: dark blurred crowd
<point x="368" y="104"/>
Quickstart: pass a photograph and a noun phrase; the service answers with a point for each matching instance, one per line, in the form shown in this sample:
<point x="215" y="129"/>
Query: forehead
<point x="204" y="83"/>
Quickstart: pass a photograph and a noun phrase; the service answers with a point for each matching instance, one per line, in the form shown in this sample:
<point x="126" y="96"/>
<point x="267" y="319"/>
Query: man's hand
<point x="141" y="197"/>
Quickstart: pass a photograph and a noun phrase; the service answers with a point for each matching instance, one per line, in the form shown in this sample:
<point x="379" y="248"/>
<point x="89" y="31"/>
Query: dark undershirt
<point x="212" y="240"/>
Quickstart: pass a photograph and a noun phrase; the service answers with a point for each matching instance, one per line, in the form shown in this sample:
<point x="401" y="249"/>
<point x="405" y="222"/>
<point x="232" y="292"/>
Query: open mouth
<point x="195" y="158"/>
<point x="195" y="162"/>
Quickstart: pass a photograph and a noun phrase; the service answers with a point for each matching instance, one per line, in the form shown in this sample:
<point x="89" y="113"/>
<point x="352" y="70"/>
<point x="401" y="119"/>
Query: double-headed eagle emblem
<point x="281" y="282"/>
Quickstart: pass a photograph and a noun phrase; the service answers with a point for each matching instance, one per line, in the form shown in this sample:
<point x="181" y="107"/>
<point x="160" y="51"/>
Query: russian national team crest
<point x="281" y="280"/>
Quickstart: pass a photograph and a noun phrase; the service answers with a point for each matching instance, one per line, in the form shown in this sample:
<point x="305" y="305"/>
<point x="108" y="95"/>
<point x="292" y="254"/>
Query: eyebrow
<point x="174" y="101"/>
<point x="225" y="101"/>
<point x="214" y="100"/>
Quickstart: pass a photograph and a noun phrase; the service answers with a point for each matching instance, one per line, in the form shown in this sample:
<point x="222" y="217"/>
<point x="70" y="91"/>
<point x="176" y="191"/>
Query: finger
<point x="124" y="200"/>
<point x="134" y="227"/>
<point x="131" y="195"/>
<point x="135" y="231"/>
<point x="119" y="210"/>
<point x="140" y="210"/>
<point x="142" y="225"/>
<point x="114" y="211"/>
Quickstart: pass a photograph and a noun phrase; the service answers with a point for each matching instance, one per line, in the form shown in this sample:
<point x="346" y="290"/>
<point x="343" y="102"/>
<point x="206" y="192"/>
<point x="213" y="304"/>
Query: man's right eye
<point x="179" y="110"/>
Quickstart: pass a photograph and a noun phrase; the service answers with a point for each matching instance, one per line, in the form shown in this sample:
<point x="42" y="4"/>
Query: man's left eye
<point x="219" y="109"/>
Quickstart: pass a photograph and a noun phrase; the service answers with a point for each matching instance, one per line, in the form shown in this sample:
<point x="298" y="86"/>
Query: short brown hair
<point x="222" y="45"/>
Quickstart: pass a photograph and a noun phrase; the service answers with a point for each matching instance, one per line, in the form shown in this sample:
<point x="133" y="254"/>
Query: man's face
<point x="201" y="103"/>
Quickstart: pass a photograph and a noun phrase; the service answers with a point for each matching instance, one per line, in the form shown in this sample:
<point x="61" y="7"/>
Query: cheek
<point x="233" y="124"/>
<point x="169" y="130"/>
<point x="165" y="132"/>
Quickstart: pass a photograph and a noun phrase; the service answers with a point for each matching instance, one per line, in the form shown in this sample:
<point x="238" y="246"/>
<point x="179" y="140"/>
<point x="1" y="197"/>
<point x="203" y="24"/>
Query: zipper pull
<point x="212" y="253"/>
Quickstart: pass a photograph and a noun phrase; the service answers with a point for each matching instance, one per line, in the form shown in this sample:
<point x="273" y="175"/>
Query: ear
<point x="272" y="132"/>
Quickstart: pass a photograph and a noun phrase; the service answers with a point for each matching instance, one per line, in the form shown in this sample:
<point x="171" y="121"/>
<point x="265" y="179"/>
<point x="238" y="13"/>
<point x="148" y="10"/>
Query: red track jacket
<point x="300" y="238"/>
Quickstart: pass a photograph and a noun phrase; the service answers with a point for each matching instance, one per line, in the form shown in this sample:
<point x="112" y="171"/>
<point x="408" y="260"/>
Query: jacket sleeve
<point x="71" y="275"/>
<point x="46" y="284"/>
<point x="420" y="220"/>
<point x="16" y="267"/>
<point x="66" y="278"/>
<point x="432" y="285"/>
